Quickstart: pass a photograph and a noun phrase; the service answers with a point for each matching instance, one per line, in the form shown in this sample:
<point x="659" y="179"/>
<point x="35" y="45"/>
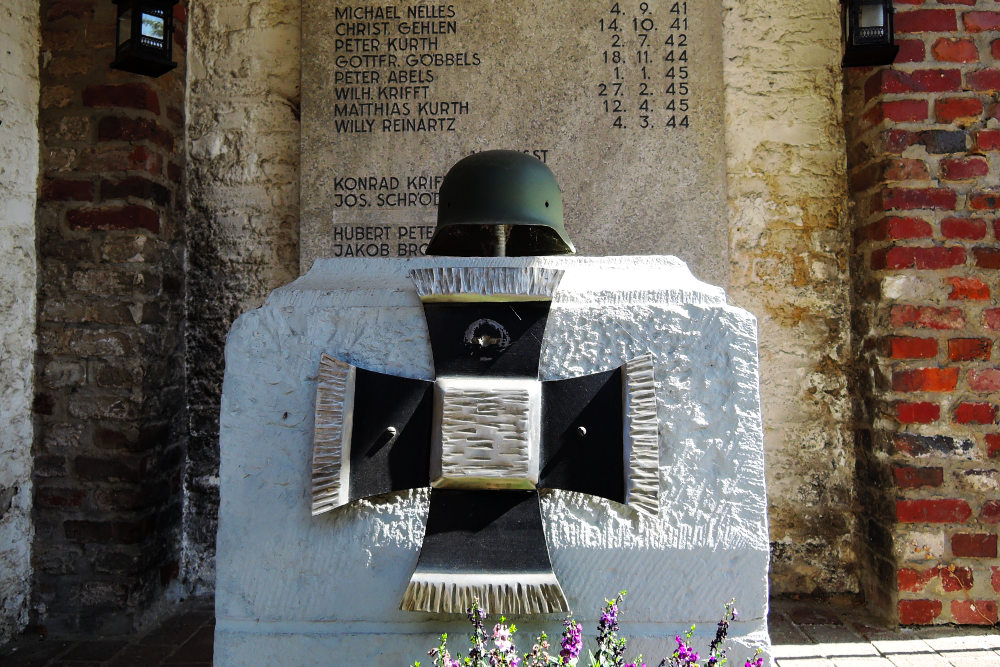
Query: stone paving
<point x="807" y="635"/>
<point x="804" y="634"/>
<point x="183" y="639"/>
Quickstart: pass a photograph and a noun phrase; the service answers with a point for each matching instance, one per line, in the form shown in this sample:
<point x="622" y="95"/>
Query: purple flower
<point x="610" y="616"/>
<point x="572" y="640"/>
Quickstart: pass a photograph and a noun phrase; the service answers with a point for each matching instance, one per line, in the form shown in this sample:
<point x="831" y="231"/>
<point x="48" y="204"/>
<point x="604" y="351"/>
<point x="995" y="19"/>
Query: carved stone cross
<point x="485" y="435"/>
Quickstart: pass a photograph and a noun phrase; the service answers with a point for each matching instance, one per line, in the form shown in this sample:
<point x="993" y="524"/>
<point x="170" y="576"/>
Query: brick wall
<point x="109" y="399"/>
<point x="924" y="154"/>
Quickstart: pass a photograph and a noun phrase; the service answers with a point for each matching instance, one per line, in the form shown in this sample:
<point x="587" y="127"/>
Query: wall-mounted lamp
<point x="144" y="37"/>
<point x="868" y="35"/>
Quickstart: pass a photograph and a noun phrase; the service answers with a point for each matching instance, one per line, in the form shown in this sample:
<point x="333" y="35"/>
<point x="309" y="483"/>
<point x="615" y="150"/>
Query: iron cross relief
<point x="485" y="435"/>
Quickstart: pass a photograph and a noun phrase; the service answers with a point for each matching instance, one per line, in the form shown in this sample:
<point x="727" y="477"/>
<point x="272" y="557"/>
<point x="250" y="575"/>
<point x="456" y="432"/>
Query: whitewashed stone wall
<point x="19" y="92"/>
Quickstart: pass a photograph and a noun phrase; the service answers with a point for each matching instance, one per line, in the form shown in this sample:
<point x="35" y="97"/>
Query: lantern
<point x="868" y="36"/>
<point x="144" y="36"/>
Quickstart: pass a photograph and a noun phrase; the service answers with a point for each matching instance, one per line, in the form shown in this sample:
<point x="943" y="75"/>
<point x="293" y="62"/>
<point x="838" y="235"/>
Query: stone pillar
<point x="18" y="275"/>
<point x="924" y="167"/>
<point x="109" y="399"/>
<point x="789" y="250"/>
<point x="243" y="221"/>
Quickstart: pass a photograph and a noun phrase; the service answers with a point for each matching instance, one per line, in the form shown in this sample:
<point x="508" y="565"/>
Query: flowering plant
<point x="610" y="646"/>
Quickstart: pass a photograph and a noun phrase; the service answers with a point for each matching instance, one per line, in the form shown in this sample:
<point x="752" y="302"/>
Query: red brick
<point x="927" y="317"/>
<point x="944" y="141"/>
<point x="951" y="109"/>
<point x="908" y="257"/>
<point x="899" y="111"/>
<point x="114" y="217"/>
<point x="119" y="159"/>
<point x="134" y="186"/>
<point x="993" y="445"/>
<point x="917" y="413"/>
<point x="72" y="8"/>
<point x="109" y="470"/>
<point x="912" y="81"/>
<point x="119" y="128"/>
<point x="990" y="512"/>
<point x="918" y="612"/>
<point x="955" y="579"/>
<point x="909" y="477"/>
<point x="925" y="379"/>
<point x="128" y="95"/>
<point x="988" y="140"/>
<point x="145" y="160"/>
<point x="896" y="140"/>
<point x="865" y="178"/>
<point x="935" y="510"/>
<point x="984" y="79"/>
<point x="974" y="612"/>
<point x="59" y="498"/>
<point x="905" y="169"/>
<point x="975" y="413"/>
<point x="926" y="20"/>
<point x="969" y="349"/>
<point x="127" y="499"/>
<point x="995" y="49"/>
<point x="916" y="198"/>
<point x="984" y="201"/>
<point x="914" y="581"/>
<point x="991" y="318"/>
<point x="121" y="532"/>
<point x="987" y="258"/>
<point x="974" y="545"/>
<point x="981" y="21"/>
<point x="958" y="169"/>
<point x="995" y="579"/>
<point x="899" y="228"/>
<point x="996" y="228"/>
<point x="910" y="347"/>
<point x="174" y="172"/>
<point x="65" y="189"/>
<point x="987" y="379"/>
<point x="910" y="51"/>
<point x="955" y="50"/>
<point x="963" y="228"/>
<point x="968" y="289"/>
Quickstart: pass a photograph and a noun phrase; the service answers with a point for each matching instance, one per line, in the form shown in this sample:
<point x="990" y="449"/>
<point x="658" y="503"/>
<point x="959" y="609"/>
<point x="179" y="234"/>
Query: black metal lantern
<point x="868" y="35"/>
<point x="144" y="37"/>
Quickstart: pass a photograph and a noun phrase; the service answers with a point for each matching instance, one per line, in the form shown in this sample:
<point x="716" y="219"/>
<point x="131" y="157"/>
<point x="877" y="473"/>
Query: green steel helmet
<point x="499" y="203"/>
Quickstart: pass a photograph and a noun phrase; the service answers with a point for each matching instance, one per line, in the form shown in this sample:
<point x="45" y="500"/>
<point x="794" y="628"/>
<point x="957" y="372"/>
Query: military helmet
<point x="500" y="203"/>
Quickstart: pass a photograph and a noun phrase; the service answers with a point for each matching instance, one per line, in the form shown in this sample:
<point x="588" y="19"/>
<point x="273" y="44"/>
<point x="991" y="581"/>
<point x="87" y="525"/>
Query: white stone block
<point x="297" y="589"/>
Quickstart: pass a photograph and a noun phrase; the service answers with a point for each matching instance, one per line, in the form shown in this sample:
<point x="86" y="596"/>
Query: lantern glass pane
<point x="152" y="26"/>
<point x="872" y="16"/>
<point x="124" y="26"/>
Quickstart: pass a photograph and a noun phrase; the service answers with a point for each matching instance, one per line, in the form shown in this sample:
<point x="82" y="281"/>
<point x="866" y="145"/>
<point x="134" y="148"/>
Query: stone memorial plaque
<point x="622" y="100"/>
